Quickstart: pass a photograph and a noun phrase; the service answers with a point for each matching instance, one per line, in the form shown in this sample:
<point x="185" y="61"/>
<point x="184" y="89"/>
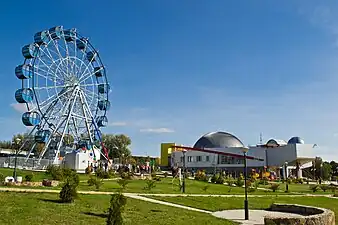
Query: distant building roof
<point x="218" y="140"/>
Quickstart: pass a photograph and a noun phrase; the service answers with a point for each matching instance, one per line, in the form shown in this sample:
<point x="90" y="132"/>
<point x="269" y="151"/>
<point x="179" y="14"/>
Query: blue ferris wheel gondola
<point x="104" y="105"/>
<point x="99" y="71"/>
<point x="70" y="34"/>
<point x="30" y="51"/>
<point x="91" y="56"/>
<point x="102" y="121"/>
<point x="24" y="95"/>
<point x="42" y="136"/>
<point x="103" y="88"/>
<point x="24" y="71"/>
<point x="31" y="118"/>
<point x="42" y="37"/>
<point x="56" y="32"/>
<point x="81" y="43"/>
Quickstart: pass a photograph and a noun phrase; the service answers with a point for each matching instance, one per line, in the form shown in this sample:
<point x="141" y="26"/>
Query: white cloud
<point x="157" y="130"/>
<point x="118" y="124"/>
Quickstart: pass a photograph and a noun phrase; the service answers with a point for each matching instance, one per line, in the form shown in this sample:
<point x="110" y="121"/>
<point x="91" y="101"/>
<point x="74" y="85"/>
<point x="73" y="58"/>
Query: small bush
<point x="150" y="184"/>
<point x="298" y="181"/>
<point x="99" y="172"/>
<point x="157" y="179"/>
<point x="115" y="210"/>
<point x="88" y="170"/>
<point x="314" y="187"/>
<point x="201" y="176"/>
<point x="274" y="187"/>
<point x="335" y="195"/>
<point x="239" y="182"/>
<point x="220" y="180"/>
<point x="55" y="172"/>
<point x="325" y="187"/>
<point x="251" y="189"/>
<point x="29" y="177"/>
<point x="205" y="188"/>
<point x="165" y="174"/>
<point x="123" y="183"/>
<point x="230" y="182"/>
<point x="153" y="174"/>
<point x="2" y="178"/>
<point x="68" y="193"/>
<point x="125" y="175"/>
<point x="263" y="181"/>
<point x="214" y="178"/>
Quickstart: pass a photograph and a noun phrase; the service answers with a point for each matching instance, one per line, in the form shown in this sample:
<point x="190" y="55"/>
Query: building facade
<point x="274" y="154"/>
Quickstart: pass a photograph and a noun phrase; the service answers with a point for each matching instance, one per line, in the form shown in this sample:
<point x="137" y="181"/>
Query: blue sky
<point x="179" y="69"/>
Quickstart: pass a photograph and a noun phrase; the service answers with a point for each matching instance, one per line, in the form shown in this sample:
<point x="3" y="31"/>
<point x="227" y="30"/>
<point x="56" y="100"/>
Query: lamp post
<point x="183" y="182"/>
<point x="246" y="204"/>
<point x="17" y="141"/>
<point x="286" y="177"/>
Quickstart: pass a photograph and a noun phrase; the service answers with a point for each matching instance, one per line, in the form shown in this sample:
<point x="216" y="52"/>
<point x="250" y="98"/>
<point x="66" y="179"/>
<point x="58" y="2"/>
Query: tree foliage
<point x="117" y="145"/>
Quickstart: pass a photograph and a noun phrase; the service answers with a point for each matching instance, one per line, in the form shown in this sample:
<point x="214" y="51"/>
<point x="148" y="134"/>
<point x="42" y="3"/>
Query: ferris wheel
<point x="65" y="89"/>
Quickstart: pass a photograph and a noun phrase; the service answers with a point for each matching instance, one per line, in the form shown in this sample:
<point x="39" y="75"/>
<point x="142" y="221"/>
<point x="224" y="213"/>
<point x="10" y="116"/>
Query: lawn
<point x="31" y="209"/>
<point x="224" y="203"/>
<point x="166" y="186"/>
<point x="301" y="188"/>
<point x="37" y="175"/>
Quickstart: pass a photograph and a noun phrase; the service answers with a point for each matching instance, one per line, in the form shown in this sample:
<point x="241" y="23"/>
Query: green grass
<point x="224" y="203"/>
<point x="37" y="176"/>
<point x="301" y="188"/>
<point x="166" y="186"/>
<point x="32" y="209"/>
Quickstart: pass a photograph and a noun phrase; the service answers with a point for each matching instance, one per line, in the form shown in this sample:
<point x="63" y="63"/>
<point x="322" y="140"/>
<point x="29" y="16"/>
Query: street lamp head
<point x="244" y="149"/>
<point x="184" y="150"/>
<point x="286" y="163"/>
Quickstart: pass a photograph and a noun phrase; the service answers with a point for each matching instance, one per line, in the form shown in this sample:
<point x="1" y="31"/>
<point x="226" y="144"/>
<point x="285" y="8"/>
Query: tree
<point x="334" y="166"/>
<point x="326" y="171"/>
<point x="318" y="169"/>
<point x="117" y="145"/>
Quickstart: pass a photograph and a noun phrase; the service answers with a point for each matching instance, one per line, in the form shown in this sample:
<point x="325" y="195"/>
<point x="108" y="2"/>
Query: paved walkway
<point x="256" y="217"/>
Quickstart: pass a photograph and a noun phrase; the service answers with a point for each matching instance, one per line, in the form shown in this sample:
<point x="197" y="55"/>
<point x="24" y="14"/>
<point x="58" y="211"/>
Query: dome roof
<point x="218" y="140"/>
<point x="296" y="140"/>
<point x="275" y="142"/>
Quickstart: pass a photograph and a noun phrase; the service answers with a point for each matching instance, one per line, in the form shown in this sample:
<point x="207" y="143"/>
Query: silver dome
<point x="218" y="140"/>
<point x="276" y="142"/>
<point x="296" y="140"/>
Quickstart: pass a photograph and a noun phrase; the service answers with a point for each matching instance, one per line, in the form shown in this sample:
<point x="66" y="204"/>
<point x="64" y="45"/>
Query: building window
<point x="227" y="160"/>
<point x="189" y="158"/>
<point x="198" y="158"/>
<point x="182" y="159"/>
<point x="207" y="158"/>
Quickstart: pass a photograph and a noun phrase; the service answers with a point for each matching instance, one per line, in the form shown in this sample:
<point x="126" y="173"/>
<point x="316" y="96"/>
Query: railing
<point x="23" y="163"/>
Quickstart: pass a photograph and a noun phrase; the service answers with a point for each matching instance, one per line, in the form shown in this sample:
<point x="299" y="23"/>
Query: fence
<point x="21" y="163"/>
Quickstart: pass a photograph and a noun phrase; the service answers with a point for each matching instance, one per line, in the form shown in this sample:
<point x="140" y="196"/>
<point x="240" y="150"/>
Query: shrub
<point x="274" y="187"/>
<point x="298" y="181"/>
<point x="55" y="172"/>
<point x="153" y="174"/>
<point x="125" y="175"/>
<point x="220" y="180"/>
<point x="88" y="170"/>
<point x="205" y="188"/>
<point x="150" y="184"/>
<point x="200" y="175"/>
<point x="99" y="172"/>
<point x="165" y="174"/>
<point x="230" y="182"/>
<point x="29" y="177"/>
<point x="123" y="183"/>
<point x="68" y="193"/>
<point x="251" y="189"/>
<point x="214" y="178"/>
<point x="91" y="181"/>
<point x="157" y="179"/>
<point x="115" y="210"/>
<point x="335" y="195"/>
<point x="2" y="178"/>
<point x="325" y="187"/>
<point x="239" y="182"/>
<point x="263" y="181"/>
<point x="314" y="187"/>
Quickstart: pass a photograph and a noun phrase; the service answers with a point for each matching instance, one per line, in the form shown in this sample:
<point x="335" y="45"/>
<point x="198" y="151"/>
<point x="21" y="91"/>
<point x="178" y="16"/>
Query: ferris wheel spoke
<point x="86" y="76"/>
<point x="89" y="85"/>
<point x="48" y="68"/>
<point x="51" y="87"/>
<point x="56" y="96"/>
<point x="47" y="78"/>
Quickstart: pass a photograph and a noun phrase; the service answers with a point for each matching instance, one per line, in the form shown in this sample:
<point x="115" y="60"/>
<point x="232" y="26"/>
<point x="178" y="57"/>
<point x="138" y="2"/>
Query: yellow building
<point x="166" y="150"/>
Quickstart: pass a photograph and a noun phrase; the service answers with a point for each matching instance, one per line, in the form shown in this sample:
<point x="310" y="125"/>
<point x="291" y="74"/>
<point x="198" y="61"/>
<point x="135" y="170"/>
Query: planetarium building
<point x="294" y="154"/>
